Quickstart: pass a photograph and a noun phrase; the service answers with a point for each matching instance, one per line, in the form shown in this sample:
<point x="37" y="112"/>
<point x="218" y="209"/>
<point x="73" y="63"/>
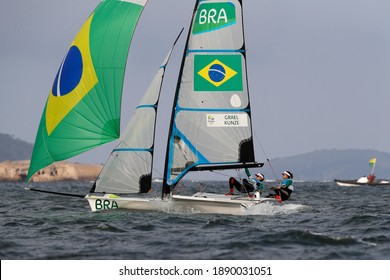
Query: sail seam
<point x="215" y="51"/>
<point x="211" y="109"/>
<point x="146" y="106"/>
<point x="132" y="150"/>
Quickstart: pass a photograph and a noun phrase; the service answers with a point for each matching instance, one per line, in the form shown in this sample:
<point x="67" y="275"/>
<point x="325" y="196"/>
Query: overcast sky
<point x="319" y="70"/>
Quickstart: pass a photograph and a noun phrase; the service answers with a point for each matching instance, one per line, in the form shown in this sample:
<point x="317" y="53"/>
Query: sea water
<point x="321" y="221"/>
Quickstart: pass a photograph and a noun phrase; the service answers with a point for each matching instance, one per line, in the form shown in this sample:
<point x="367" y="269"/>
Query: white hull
<point x="355" y="183"/>
<point x="199" y="202"/>
<point x="343" y="184"/>
<point x="216" y="203"/>
<point x="112" y="202"/>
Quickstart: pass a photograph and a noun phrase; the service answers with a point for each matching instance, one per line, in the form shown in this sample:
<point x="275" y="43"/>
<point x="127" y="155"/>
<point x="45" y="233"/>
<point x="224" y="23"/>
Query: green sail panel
<point x="83" y="107"/>
<point x="129" y="167"/>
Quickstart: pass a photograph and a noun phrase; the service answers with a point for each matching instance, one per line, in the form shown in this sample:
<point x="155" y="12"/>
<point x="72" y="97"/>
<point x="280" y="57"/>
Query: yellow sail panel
<point x="83" y="107"/>
<point x="63" y="99"/>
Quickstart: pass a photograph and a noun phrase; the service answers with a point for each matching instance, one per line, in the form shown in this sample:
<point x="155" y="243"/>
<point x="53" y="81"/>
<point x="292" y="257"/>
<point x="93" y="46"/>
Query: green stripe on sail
<point x="94" y="118"/>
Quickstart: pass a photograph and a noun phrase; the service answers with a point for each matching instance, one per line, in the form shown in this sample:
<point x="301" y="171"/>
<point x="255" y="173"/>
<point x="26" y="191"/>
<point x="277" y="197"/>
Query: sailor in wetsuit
<point x="284" y="190"/>
<point x="248" y="185"/>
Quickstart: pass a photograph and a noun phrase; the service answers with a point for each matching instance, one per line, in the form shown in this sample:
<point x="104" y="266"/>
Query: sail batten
<point x="211" y="51"/>
<point x="211" y="117"/>
<point x="132" y="150"/>
<point x="211" y="109"/>
<point x="224" y="166"/>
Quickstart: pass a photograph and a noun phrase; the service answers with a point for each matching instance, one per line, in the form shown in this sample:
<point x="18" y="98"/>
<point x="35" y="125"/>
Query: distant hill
<point x="12" y="148"/>
<point x="318" y="165"/>
<point x="331" y="164"/>
<point x="14" y="164"/>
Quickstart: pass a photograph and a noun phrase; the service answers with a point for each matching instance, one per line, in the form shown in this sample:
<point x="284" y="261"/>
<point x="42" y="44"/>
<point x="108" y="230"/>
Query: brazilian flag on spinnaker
<point x="83" y="107"/>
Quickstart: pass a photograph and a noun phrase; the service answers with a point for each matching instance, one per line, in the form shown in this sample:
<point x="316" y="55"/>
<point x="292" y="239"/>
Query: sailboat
<point x="369" y="180"/>
<point x="210" y="127"/>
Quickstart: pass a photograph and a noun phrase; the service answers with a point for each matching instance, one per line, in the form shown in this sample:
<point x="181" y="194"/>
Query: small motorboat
<point x="363" y="181"/>
<point x="369" y="180"/>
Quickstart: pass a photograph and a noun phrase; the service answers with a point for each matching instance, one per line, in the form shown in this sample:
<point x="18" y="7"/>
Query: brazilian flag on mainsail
<point x="372" y="162"/>
<point x="83" y="107"/>
<point x="218" y="72"/>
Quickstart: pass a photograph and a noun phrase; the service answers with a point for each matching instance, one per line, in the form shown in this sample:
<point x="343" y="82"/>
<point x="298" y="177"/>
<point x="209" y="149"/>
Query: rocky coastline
<point x="16" y="171"/>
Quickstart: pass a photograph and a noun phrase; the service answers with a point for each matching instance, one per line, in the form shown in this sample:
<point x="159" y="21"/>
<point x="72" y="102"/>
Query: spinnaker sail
<point x="83" y="107"/>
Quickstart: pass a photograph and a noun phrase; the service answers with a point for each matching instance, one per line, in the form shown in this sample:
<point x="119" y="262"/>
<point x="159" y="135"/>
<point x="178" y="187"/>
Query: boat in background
<point x="362" y="181"/>
<point x="369" y="180"/>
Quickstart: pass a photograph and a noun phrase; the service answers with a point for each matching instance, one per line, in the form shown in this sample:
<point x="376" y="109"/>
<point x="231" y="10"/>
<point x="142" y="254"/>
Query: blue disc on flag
<point x="69" y="74"/>
<point x="217" y="73"/>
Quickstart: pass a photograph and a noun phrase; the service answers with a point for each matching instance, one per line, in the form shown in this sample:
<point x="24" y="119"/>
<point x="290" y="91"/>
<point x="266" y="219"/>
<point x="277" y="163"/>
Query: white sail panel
<point x="199" y="140"/>
<point x="129" y="167"/>
<point x="213" y="144"/>
<point x="139" y="133"/>
<point x="211" y="122"/>
<point x="126" y="172"/>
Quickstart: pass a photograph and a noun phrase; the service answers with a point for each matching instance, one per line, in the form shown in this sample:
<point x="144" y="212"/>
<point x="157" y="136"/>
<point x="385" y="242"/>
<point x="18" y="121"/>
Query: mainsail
<point x="83" y="107"/>
<point x="211" y="119"/>
<point x="129" y="167"/>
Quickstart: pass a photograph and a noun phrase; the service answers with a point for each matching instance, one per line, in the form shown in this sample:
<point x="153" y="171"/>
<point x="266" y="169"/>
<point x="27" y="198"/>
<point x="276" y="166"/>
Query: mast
<point x="211" y="122"/>
<point x="372" y="164"/>
<point x="166" y="189"/>
<point x="243" y="49"/>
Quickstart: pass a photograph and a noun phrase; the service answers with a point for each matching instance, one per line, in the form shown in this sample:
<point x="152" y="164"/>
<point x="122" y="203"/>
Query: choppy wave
<point x="269" y="208"/>
<point x="320" y="221"/>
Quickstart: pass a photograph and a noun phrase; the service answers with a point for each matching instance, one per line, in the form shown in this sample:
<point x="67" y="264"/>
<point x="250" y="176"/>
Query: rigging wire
<point x="268" y="160"/>
<point x="219" y="173"/>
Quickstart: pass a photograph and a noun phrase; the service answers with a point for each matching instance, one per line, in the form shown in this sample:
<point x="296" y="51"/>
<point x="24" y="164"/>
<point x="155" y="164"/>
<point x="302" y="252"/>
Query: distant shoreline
<point x="16" y="171"/>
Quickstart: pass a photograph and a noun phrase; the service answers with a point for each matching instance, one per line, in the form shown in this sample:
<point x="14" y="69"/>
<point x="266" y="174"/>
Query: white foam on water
<point x="270" y="209"/>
